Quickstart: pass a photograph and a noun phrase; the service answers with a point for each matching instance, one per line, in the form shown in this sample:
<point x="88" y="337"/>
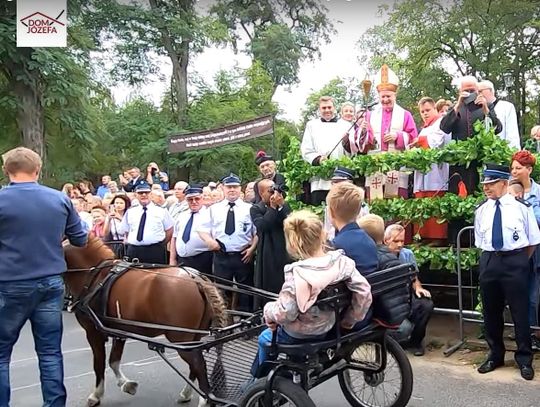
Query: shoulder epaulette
<point x="523" y="201"/>
<point x="480" y="204"/>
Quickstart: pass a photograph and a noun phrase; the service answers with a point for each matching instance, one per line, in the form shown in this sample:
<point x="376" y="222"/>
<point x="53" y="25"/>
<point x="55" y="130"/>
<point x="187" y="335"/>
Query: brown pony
<point x="166" y="296"/>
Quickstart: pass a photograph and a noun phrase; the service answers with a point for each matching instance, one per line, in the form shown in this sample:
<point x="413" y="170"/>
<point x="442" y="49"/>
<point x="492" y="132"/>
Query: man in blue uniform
<point x="506" y="230"/>
<point x="33" y="221"/>
<point x="230" y="233"/>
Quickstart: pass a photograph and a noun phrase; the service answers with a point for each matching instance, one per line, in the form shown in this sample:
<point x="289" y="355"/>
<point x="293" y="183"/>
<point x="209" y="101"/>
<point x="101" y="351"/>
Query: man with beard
<point x="267" y="168"/>
<point x="268" y="216"/>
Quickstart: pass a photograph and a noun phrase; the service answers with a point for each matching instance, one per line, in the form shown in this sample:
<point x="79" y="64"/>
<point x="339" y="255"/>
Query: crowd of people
<point x="247" y="233"/>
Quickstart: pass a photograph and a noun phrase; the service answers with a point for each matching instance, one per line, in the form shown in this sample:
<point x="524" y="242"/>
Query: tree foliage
<point x="493" y="39"/>
<point x="133" y="37"/>
<point x="280" y="33"/>
<point x="48" y="98"/>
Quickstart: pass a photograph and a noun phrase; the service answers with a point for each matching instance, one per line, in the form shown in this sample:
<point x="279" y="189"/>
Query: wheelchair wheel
<point x="390" y="388"/>
<point x="285" y="393"/>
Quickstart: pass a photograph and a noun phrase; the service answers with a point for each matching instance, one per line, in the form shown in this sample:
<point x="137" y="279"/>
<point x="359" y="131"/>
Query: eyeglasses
<point x="196" y="199"/>
<point x="143" y="192"/>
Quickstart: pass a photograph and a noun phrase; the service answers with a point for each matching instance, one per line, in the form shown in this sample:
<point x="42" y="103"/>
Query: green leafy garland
<point x="482" y="148"/>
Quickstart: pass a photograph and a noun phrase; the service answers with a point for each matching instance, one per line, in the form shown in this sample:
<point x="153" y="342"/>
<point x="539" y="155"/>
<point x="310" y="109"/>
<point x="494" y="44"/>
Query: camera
<point x="154" y="171"/>
<point x="471" y="98"/>
<point x="280" y="189"/>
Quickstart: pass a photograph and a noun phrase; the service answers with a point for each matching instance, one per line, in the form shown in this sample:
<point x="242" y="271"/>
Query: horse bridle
<point x="93" y="273"/>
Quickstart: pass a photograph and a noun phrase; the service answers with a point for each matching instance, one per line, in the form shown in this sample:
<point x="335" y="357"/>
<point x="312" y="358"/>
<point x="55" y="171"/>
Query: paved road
<point x="436" y="382"/>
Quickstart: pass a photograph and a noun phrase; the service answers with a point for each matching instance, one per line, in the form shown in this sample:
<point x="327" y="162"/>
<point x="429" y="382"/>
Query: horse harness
<point x="101" y="291"/>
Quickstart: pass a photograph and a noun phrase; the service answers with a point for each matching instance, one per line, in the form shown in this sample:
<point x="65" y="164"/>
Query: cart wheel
<point x="390" y="388"/>
<point x="286" y="393"/>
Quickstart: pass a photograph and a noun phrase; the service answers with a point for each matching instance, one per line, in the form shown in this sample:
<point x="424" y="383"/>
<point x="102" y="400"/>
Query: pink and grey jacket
<point x="304" y="280"/>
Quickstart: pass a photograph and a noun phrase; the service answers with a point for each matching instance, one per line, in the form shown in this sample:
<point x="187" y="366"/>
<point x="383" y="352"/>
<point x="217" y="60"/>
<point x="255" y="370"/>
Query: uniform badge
<point x="515" y="236"/>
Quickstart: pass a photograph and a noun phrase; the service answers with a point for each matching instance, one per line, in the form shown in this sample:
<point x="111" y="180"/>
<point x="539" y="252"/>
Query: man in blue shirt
<point x="33" y="222"/>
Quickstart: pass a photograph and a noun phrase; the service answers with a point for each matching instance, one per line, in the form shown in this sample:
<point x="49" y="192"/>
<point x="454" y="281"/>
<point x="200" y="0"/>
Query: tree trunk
<point x="30" y="117"/>
<point x="27" y="87"/>
<point x="179" y="55"/>
<point x="180" y="63"/>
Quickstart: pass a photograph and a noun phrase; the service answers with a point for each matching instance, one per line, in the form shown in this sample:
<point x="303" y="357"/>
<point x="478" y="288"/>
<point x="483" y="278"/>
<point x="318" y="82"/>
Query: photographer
<point x="470" y="107"/>
<point x="268" y="216"/>
<point x="155" y="176"/>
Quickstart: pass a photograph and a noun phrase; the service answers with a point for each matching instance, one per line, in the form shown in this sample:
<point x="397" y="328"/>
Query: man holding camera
<point x="155" y="176"/>
<point x="470" y="107"/>
<point x="268" y="216"/>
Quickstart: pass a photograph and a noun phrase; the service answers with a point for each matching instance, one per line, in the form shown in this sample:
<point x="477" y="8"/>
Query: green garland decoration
<point x="482" y="148"/>
<point x="418" y="210"/>
<point x="444" y="258"/>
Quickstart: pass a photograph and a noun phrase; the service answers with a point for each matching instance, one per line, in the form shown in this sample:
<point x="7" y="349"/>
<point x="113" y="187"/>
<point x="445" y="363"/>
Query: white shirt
<point x="437" y="178"/>
<point x="195" y="244"/>
<point x="319" y="139"/>
<point x="506" y="113"/>
<point x="177" y="209"/>
<point x="244" y="229"/>
<point x="87" y="220"/>
<point x="114" y="226"/>
<point x="157" y="222"/>
<point x="518" y="224"/>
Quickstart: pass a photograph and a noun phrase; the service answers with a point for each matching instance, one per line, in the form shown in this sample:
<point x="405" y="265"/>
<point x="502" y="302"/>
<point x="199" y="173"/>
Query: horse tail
<point x="216" y="302"/>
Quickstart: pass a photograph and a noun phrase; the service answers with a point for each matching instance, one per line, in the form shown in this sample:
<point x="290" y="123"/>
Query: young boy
<point x="373" y="225"/>
<point x="515" y="188"/>
<point x="344" y="202"/>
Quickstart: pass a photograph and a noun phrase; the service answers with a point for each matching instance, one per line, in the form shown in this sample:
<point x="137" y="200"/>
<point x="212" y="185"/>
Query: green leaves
<point x="483" y="147"/>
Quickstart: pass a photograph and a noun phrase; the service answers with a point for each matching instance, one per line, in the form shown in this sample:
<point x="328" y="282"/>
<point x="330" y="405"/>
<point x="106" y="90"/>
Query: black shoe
<point x="535" y="343"/>
<point x="527" y="372"/>
<point x="489" y="366"/>
<point x="420" y="351"/>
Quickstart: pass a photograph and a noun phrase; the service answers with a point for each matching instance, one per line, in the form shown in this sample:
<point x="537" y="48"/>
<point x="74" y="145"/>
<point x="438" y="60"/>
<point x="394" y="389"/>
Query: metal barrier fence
<point x="469" y="315"/>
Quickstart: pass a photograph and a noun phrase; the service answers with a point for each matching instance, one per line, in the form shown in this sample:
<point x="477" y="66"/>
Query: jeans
<point x="39" y="301"/>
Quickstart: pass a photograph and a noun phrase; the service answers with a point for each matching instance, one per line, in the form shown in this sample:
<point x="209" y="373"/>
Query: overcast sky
<point x="339" y="58"/>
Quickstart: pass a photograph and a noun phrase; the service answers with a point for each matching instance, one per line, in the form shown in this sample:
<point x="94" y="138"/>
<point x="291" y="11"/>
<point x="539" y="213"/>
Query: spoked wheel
<point x="390" y="388"/>
<point x="285" y="393"/>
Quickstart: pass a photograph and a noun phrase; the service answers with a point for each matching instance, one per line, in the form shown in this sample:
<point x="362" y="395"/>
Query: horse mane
<point x="97" y="251"/>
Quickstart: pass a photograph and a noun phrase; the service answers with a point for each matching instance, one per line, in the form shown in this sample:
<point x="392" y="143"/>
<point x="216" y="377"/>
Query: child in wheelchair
<point x="294" y="314"/>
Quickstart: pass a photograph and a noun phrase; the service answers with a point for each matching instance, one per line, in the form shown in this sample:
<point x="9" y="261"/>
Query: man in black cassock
<point x="471" y="106"/>
<point x="268" y="216"/>
<point x="267" y="168"/>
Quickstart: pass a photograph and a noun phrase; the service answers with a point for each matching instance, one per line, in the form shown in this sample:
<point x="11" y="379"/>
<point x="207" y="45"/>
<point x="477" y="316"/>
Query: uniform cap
<point x="143" y="187"/>
<point x="494" y="173"/>
<point x="231" y="179"/>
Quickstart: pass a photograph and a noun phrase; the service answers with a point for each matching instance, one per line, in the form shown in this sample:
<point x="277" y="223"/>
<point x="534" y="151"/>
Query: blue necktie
<point x="187" y="231"/>
<point x="497" y="235"/>
<point x="140" y="232"/>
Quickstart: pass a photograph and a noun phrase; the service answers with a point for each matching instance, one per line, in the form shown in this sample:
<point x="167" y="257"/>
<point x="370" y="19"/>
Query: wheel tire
<point x="394" y="350"/>
<point x="294" y="394"/>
